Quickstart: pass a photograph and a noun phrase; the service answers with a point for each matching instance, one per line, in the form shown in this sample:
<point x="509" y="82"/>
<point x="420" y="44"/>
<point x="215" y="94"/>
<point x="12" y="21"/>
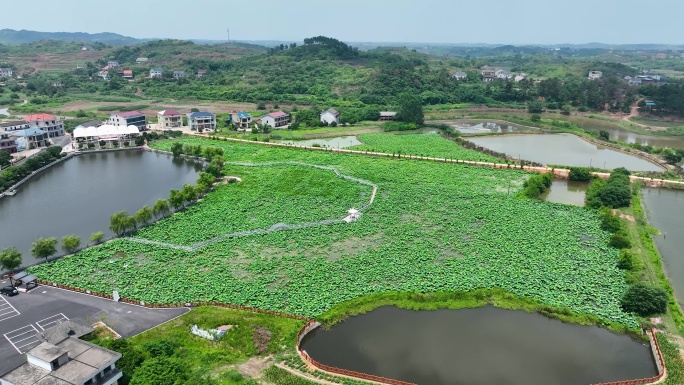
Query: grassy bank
<point x="462" y="300"/>
<point x="673" y="360"/>
<point x="652" y="271"/>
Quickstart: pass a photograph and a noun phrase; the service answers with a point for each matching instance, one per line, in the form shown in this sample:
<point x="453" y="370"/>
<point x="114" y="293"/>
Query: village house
<point x="104" y="74"/>
<point x="276" y="119"/>
<point x="14" y="125"/>
<point x="387" y="115"/>
<point x="5" y="72"/>
<point x="178" y="74"/>
<point x="520" y="77"/>
<point x="8" y="142"/>
<point x="128" y="74"/>
<point x="64" y="359"/>
<point x="48" y="123"/>
<point x="169" y="119"/>
<point x="201" y="73"/>
<point x="202" y="121"/>
<point x="329" y="116"/>
<point x="112" y="63"/>
<point x="505" y="75"/>
<point x="129" y="118"/>
<point x="243" y="120"/>
<point x="459" y="75"/>
<point x="30" y="138"/>
<point x="595" y="75"/>
<point x="156" y="73"/>
<point x="141" y="60"/>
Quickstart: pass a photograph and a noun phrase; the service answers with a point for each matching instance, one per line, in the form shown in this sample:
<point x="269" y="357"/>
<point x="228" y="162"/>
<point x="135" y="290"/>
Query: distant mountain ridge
<point x="13" y="37"/>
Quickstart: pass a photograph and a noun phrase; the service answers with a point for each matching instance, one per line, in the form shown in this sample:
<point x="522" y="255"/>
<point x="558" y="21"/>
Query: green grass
<point x="214" y="362"/>
<point x="673" y="360"/>
<point x="430" y="145"/>
<point x="434" y="227"/>
<point x="657" y="123"/>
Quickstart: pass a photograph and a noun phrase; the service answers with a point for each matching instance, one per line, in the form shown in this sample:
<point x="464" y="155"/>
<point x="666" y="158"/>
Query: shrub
<point x="610" y="222"/>
<point x="580" y="174"/>
<point x="626" y="261"/>
<point x="535" y="118"/>
<point x="644" y="300"/>
<point x="619" y="241"/>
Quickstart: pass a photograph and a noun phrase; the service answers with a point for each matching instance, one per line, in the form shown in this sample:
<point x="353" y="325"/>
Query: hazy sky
<point x="438" y="21"/>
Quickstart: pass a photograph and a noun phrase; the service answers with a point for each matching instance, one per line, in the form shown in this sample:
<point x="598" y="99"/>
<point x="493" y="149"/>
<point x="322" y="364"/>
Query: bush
<point x="159" y="348"/>
<point x="644" y="300"/>
<point x="626" y="261"/>
<point x="535" y="118"/>
<point x="610" y="222"/>
<point x="536" y="185"/>
<point x="619" y="241"/>
<point x="399" y="126"/>
<point x="580" y="174"/>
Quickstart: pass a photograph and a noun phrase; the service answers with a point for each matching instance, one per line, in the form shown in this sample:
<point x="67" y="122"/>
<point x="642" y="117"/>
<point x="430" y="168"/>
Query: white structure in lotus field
<point x="329" y="116"/>
<point x="353" y="215"/>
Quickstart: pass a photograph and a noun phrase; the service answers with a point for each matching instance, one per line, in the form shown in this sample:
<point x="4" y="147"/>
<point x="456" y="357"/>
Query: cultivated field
<point x="433" y="227"/>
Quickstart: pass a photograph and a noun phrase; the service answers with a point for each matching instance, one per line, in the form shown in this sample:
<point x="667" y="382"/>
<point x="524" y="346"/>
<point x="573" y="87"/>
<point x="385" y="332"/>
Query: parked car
<point x="9" y="291"/>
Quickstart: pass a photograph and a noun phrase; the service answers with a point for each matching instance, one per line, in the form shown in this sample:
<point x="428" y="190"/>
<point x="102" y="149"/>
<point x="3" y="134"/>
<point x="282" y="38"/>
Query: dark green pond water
<point x="482" y="346"/>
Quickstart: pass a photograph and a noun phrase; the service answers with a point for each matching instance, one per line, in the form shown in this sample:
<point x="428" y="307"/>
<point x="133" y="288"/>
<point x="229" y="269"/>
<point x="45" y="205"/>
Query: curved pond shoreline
<point x="476" y="346"/>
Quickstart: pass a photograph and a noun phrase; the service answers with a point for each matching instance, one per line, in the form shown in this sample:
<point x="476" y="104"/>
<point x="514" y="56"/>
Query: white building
<point x="48" y="123"/>
<point x="505" y="75"/>
<point x="14" y="125"/>
<point x="459" y="75"/>
<point x="595" y="75"/>
<point x="141" y="60"/>
<point x="276" y="119"/>
<point x="519" y="77"/>
<point x="112" y="63"/>
<point x="329" y="116"/>
<point x="103" y="74"/>
<point x="128" y="118"/>
<point x="5" y="72"/>
<point x="63" y="359"/>
<point x="156" y="72"/>
<point x="202" y="121"/>
<point x="178" y="74"/>
<point x="169" y="119"/>
<point x="243" y="120"/>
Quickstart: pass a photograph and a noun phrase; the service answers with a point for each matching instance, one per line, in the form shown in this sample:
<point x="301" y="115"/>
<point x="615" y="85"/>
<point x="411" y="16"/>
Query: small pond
<point x="563" y="149"/>
<point x="474" y="126"/>
<point x="566" y="191"/>
<point x="480" y="346"/>
<point x="335" y="142"/>
<point x="79" y="195"/>
<point x="665" y="209"/>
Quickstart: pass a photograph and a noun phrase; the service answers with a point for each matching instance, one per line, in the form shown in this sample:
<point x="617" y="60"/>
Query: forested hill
<point x="10" y="36"/>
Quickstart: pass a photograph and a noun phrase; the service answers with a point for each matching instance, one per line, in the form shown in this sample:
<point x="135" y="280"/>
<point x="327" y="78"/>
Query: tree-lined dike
<point x="430" y="229"/>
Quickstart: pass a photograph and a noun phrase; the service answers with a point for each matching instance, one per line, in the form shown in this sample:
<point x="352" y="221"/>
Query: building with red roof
<point x="276" y="119"/>
<point x="46" y="122"/>
<point x="128" y="74"/>
<point x="169" y="119"/>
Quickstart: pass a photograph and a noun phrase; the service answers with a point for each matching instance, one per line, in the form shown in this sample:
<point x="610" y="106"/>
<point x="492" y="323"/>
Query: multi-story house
<point x="129" y="118"/>
<point x="276" y="119"/>
<point x="14" y="125"/>
<point x="63" y="359"/>
<point x="169" y="119"/>
<point x="178" y="74"/>
<point x="156" y="72"/>
<point x="48" y="123"/>
<point x="202" y="121"/>
<point x="112" y="63"/>
<point x="243" y="120"/>
<point x="5" y="72"/>
<point x="595" y="75"/>
<point x="8" y="142"/>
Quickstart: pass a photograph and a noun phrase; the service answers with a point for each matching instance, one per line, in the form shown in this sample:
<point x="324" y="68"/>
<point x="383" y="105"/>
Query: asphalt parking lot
<point x="23" y="316"/>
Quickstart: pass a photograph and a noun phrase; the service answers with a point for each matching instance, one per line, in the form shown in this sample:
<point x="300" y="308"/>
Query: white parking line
<point x="23" y="339"/>
<point x="7" y="310"/>
<point x="51" y="321"/>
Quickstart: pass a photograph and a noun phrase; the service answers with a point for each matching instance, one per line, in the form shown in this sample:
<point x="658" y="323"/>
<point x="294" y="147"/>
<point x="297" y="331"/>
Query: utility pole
<point x="228" y="30"/>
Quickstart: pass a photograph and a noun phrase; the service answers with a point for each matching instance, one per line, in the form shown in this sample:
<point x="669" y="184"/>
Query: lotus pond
<point x="433" y="227"/>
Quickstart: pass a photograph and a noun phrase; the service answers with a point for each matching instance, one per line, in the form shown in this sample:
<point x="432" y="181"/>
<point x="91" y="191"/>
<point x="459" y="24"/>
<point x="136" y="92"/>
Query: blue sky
<point x="437" y="21"/>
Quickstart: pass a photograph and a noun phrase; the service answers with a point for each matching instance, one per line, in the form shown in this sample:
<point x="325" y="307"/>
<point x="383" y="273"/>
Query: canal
<point x="79" y="195"/>
<point x="483" y="346"/>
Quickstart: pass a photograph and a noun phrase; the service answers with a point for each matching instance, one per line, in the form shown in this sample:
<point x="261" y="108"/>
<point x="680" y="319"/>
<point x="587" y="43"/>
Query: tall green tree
<point x="176" y="149"/>
<point x="5" y="158"/>
<point x="10" y="259"/>
<point x="44" y="247"/>
<point x="143" y="215"/>
<point x="176" y="199"/>
<point x="70" y="243"/>
<point x="161" y="207"/>
<point x="118" y="222"/>
<point x="410" y="109"/>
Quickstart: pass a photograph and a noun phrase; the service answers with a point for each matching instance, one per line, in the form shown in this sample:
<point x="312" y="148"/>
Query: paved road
<point x="24" y="315"/>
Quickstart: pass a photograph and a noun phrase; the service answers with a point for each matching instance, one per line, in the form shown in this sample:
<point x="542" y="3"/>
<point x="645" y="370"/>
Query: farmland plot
<point x="433" y="227"/>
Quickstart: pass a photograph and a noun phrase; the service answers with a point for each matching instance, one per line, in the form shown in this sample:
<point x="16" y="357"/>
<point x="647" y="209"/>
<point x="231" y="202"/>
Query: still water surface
<point x="570" y="192"/>
<point x="480" y="346"/>
<point x="79" y="195"/>
<point x="562" y="149"/>
<point x="665" y="208"/>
